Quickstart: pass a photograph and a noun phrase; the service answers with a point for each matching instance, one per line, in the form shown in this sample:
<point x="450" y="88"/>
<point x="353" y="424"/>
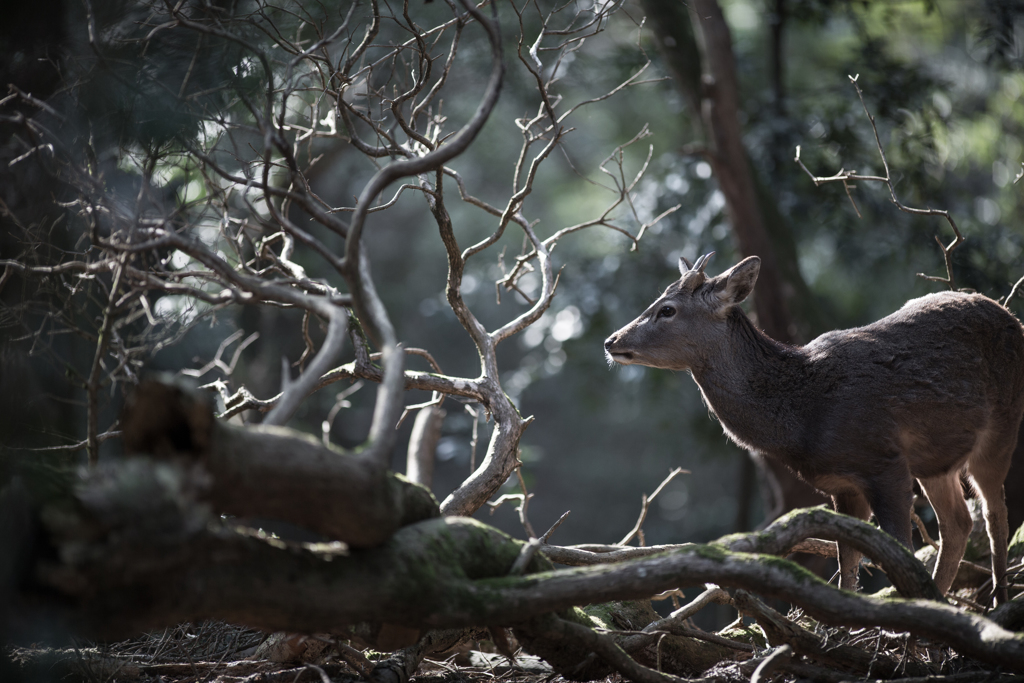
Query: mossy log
<point x="137" y="551"/>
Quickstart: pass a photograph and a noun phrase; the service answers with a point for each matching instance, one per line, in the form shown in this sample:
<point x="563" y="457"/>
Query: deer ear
<point x="736" y="284"/>
<point x="684" y="266"/>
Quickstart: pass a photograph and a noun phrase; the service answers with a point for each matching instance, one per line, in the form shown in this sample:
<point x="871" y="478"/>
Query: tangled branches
<point x="222" y="206"/>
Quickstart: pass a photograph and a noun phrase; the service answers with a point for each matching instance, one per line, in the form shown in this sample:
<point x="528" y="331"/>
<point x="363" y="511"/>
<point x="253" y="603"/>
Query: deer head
<point x="688" y="319"/>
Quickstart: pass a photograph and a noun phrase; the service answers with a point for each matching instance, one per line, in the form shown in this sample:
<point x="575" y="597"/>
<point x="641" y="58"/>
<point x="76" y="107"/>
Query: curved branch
<point x="453" y="287"/>
<point x="369" y="308"/>
<point x="548" y="285"/>
<point x="581" y="557"/>
<point x="364" y="294"/>
<point x="904" y="570"/>
<point x="794" y="532"/>
<point x="310" y="380"/>
<point x="500" y="460"/>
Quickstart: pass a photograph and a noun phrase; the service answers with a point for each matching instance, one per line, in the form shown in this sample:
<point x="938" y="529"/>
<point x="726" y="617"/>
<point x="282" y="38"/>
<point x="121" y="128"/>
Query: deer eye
<point x="666" y="312"/>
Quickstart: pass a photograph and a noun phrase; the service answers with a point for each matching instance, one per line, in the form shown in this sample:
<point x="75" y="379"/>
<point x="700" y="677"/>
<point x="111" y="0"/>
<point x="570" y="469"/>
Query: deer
<point x="930" y="392"/>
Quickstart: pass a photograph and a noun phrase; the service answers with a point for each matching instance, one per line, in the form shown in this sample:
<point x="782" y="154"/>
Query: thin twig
<point x="845" y="176"/>
<point x="922" y="530"/>
<point x="645" y="501"/>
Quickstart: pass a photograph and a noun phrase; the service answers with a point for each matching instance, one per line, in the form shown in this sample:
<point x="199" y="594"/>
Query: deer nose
<point x="608" y="343"/>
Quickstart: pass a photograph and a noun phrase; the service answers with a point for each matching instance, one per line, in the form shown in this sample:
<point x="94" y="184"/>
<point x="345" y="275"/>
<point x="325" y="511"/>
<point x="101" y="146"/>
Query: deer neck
<point x="750" y="381"/>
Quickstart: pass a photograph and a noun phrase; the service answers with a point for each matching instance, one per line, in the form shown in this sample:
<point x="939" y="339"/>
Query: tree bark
<point x="715" y="98"/>
<point x="420" y="457"/>
<point x="273" y="472"/>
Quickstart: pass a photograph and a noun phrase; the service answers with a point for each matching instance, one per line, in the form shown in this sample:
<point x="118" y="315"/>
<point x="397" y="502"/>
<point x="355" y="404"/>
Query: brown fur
<point x="934" y="389"/>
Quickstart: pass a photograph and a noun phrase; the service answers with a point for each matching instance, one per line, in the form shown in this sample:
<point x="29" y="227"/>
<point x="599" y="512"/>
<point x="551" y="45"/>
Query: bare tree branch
<point x="845" y="176"/>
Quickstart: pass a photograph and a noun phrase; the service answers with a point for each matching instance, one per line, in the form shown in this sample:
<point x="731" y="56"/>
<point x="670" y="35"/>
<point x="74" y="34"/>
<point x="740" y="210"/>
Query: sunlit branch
<point x="217" y="363"/>
<point x="456" y="266"/>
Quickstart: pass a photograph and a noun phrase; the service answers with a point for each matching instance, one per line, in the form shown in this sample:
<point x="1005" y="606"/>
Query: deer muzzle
<point x="618" y="355"/>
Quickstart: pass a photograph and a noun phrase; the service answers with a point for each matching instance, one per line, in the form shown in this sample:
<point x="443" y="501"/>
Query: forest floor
<point x="215" y="652"/>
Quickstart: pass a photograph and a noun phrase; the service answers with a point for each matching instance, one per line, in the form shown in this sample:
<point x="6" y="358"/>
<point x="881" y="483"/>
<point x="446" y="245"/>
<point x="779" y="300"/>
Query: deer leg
<point x="851" y="503"/>
<point x="993" y="504"/>
<point x="947" y="498"/>
<point x="891" y="496"/>
<point x="988" y="477"/>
